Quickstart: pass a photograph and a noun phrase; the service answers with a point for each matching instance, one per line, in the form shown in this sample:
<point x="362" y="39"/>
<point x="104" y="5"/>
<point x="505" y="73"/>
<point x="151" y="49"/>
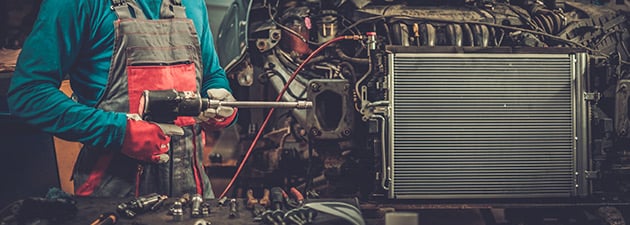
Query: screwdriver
<point x="277" y="198"/>
<point x="254" y="204"/>
<point x="105" y="219"/>
<point x="299" y="198"/>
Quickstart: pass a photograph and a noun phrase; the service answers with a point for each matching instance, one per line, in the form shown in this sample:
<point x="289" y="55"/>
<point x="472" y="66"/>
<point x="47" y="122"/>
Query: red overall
<point x="148" y="55"/>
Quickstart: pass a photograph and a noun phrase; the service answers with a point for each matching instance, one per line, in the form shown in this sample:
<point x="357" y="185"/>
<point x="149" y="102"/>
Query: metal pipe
<point x="260" y="104"/>
<point x="385" y="176"/>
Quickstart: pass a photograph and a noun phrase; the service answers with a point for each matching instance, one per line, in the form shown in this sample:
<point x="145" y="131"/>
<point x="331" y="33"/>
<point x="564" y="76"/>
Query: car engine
<point x="424" y="100"/>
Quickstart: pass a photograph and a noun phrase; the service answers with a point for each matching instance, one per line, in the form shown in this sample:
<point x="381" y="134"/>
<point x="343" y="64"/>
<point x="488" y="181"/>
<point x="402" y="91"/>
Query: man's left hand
<point x="221" y="116"/>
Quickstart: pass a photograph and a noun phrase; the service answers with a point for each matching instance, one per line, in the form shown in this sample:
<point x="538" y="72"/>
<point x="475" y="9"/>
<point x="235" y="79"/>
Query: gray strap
<point x="179" y="9"/>
<point x="123" y="9"/>
<point x="136" y="9"/>
<point x="172" y="9"/>
<point x="165" y="10"/>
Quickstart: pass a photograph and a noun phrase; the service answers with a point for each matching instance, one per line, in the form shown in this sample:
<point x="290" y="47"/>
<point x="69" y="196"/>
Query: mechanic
<point x="112" y="51"/>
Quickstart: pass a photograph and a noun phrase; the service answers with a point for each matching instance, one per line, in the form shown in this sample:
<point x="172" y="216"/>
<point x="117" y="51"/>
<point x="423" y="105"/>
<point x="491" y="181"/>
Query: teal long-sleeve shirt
<point x="76" y="37"/>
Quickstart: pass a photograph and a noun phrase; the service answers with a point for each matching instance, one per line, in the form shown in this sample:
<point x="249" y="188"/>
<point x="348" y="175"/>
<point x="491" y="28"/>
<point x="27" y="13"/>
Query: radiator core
<point x="485" y="125"/>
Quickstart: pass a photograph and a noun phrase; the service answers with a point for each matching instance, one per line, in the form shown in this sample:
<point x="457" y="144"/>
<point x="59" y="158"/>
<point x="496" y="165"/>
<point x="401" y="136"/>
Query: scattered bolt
<point x="315" y="87"/>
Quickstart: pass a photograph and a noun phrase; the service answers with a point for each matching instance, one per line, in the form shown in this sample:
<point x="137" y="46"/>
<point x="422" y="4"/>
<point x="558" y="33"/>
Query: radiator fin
<point x="482" y="126"/>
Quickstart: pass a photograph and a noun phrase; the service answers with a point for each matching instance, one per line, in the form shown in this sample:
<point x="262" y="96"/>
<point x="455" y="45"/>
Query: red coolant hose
<point x="284" y="89"/>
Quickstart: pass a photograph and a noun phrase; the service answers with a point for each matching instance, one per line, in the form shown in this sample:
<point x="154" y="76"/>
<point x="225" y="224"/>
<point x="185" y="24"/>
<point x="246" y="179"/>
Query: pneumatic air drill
<point x="164" y="106"/>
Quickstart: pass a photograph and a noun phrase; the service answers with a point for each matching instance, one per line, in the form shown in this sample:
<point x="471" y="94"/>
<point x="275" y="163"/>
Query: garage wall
<point x="216" y="10"/>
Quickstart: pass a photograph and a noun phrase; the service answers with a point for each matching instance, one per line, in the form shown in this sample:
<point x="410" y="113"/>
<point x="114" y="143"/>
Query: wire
<point x="345" y="21"/>
<point x="282" y="26"/>
<point x="280" y="94"/>
<point x="362" y="21"/>
<point x="272" y="72"/>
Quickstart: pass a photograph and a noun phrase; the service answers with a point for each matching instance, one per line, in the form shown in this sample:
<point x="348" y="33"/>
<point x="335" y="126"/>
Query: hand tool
<point x="309" y="213"/>
<point x="294" y="216"/>
<point x="177" y="211"/>
<point x="185" y="199"/>
<point x="278" y="215"/>
<point x="254" y="204"/>
<point x="150" y="202"/>
<point x="297" y="195"/>
<point x="222" y="201"/>
<point x="205" y="209"/>
<point x="267" y="218"/>
<point x="105" y="219"/>
<point x="233" y="208"/>
<point x="196" y="201"/>
<point x="277" y="198"/>
<point x="164" y="106"/>
<point x="297" y="200"/>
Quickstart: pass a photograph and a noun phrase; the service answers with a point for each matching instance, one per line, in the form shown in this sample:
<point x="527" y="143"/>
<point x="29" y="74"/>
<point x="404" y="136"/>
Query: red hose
<point x="284" y="89"/>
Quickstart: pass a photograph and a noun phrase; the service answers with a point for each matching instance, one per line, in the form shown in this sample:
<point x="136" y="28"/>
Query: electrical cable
<point x="282" y="26"/>
<point x="286" y="60"/>
<point x="345" y="21"/>
<point x="270" y="73"/>
<point x="280" y="94"/>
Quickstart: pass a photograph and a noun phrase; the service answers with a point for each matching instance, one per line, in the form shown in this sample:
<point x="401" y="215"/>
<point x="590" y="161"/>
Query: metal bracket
<point x="590" y="174"/>
<point x="592" y="96"/>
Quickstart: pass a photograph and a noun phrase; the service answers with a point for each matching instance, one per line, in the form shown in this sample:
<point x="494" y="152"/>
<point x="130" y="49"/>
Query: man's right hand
<point x="145" y="141"/>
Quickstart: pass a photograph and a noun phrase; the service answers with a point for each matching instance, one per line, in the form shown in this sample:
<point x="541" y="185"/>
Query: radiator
<point x="486" y="125"/>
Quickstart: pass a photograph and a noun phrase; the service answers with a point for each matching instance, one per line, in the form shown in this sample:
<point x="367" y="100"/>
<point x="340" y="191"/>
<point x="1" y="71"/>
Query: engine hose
<point x="450" y="34"/>
<point x="493" y="36"/>
<point x="454" y="33"/>
<point x="342" y="55"/>
<point x="547" y="24"/>
<point x="538" y="22"/>
<point x="429" y="34"/>
<point x="561" y="20"/>
<point x="470" y="40"/>
<point x="280" y="94"/>
<point x="476" y="29"/>
<point x="485" y="36"/>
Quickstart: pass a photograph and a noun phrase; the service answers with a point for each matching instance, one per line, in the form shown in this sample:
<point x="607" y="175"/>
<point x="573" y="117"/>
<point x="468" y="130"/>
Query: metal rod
<point x="261" y="104"/>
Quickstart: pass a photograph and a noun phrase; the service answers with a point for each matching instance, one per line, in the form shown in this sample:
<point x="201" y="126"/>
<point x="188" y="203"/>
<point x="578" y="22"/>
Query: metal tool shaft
<point x="261" y="104"/>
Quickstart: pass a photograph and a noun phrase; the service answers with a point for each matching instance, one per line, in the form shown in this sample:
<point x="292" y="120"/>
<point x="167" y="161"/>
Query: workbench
<point x="444" y="214"/>
<point x="89" y="210"/>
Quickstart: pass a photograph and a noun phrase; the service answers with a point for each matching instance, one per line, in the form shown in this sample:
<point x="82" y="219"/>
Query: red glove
<point x="222" y="116"/>
<point x="145" y="141"/>
<point x="219" y="122"/>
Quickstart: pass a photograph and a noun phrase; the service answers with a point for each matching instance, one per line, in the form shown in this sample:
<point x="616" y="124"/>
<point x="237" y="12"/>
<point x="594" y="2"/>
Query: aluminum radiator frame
<point x="487" y="125"/>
